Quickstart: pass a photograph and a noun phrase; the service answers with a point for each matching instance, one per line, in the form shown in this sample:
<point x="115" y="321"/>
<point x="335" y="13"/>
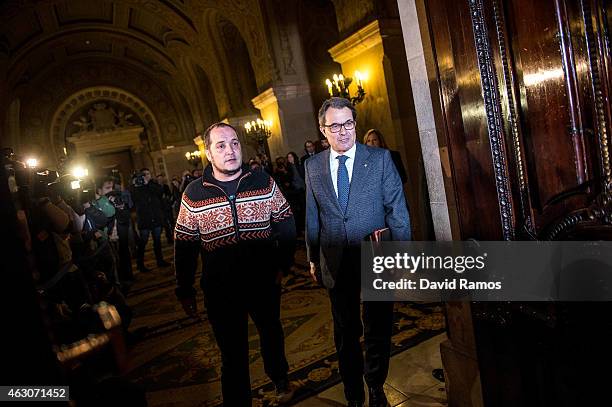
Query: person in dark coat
<point x="149" y="213"/>
<point x="167" y="202"/>
<point x="294" y="164"/>
<point x="309" y="149"/>
<point x="374" y="138"/>
<point x="296" y="193"/>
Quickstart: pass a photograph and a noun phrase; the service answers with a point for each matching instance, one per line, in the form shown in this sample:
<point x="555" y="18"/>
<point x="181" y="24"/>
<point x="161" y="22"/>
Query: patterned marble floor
<point x="410" y="383"/>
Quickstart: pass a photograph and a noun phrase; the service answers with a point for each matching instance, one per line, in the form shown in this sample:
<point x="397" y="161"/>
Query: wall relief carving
<point x="101" y="116"/>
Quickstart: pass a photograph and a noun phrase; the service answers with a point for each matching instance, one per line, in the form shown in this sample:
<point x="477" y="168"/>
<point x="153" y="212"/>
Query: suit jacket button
<point x="346" y="219"/>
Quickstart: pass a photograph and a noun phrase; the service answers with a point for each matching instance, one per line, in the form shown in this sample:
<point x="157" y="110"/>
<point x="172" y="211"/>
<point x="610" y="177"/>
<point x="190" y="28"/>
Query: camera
<point x="116" y="199"/>
<point x="73" y="191"/>
<point x="138" y="179"/>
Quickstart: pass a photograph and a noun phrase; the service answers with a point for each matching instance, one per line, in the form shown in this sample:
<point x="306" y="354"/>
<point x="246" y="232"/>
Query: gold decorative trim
<point x="264" y="99"/>
<point x="356" y="44"/>
<point x="364" y="39"/>
<point x="281" y="92"/>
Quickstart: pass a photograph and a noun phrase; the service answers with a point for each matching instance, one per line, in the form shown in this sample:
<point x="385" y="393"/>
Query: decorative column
<point x="289" y="108"/>
<point x="288" y="102"/>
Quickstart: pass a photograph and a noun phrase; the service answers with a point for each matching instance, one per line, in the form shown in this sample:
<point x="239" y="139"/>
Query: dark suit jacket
<point x="305" y="157"/>
<point x="399" y="165"/>
<point x="376" y="200"/>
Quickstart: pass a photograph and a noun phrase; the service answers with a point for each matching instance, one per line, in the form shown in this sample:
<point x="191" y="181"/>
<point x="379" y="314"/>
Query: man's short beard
<point x="227" y="172"/>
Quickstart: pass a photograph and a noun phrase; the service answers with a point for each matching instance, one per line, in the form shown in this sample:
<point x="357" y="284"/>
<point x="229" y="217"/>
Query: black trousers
<point x="228" y="310"/>
<point x="168" y="224"/>
<point x="377" y="323"/>
<point x="142" y="244"/>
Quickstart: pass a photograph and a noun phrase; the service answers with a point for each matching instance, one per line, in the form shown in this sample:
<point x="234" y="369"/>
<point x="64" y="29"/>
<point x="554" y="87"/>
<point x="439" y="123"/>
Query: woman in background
<point x="375" y="138"/>
<point x="296" y="193"/>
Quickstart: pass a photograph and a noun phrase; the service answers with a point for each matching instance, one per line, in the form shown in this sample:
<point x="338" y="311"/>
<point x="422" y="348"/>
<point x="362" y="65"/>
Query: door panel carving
<point x="525" y="99"/>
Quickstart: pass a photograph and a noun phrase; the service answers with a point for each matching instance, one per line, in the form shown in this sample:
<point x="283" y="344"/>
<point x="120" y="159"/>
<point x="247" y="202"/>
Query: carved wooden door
<point x="524" y="95"/>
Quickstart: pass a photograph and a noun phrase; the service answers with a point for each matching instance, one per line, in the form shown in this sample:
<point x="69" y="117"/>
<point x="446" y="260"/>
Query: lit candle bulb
<point x="358" y="78"/>
<point x="329" y="87"/>
<point x="336" y="82"/>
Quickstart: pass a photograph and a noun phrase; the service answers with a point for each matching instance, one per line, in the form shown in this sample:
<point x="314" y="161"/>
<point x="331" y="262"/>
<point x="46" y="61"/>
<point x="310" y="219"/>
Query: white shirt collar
<point x="350" y="153"/>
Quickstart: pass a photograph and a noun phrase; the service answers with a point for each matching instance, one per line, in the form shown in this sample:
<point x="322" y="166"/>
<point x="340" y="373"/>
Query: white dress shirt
<point x="333" y="165"/>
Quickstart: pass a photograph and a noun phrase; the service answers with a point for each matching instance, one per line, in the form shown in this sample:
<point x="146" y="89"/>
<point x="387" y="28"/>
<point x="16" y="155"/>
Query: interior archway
<point x="60" y="123"/>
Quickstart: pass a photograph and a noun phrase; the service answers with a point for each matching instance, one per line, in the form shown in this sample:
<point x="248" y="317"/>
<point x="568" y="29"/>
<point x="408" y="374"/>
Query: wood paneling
<point x="525" y="97"/>
<point x="524" y="89"/>
<point x="465" y="120"/>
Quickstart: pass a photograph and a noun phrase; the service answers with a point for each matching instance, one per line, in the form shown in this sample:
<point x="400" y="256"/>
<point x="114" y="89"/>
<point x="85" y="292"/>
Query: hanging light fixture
<point x="194" y="157"/>
<point x="338" y="86"/>
<point x="259" y="130"/>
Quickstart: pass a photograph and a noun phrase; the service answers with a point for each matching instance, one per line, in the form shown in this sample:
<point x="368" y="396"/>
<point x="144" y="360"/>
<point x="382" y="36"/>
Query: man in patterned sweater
<point x="244" y="227"/>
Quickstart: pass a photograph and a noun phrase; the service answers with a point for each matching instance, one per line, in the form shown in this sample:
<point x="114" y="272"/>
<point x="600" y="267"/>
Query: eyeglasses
<point x="335" y="127"/>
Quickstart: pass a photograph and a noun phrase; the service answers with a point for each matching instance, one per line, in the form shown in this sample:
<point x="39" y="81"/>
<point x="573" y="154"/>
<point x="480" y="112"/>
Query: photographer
<point x="122" y="201"/>
<point x="149" y="214"/>
<point x="111" y="204"/>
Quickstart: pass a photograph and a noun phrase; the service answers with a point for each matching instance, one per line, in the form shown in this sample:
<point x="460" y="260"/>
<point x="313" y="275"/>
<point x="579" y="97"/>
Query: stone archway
<point x="76" y="101"/>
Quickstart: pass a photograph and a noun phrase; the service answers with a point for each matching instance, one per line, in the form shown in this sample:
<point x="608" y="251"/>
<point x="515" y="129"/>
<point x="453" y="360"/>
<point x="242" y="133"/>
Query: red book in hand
<point x="380" y="235"/>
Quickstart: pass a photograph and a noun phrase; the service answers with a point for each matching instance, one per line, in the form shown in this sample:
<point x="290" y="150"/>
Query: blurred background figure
<point x="167" y="202"/>
<point x="374" y="138"/>
<point x="309" y="149"/>
<point x="296" y="192"/>
<point x="149" y="213"/>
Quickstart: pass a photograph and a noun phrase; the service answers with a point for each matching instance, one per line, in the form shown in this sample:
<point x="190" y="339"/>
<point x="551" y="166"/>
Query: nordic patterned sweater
<point x="249" y="236"/>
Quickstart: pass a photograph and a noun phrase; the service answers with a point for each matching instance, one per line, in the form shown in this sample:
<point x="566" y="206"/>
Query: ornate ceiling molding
<point x="356" y="44"/>
<point x="265" y="99"/>
<point x="118" y="36"/>
<point x="248" y="18"/>
<point x="108" y="141"/>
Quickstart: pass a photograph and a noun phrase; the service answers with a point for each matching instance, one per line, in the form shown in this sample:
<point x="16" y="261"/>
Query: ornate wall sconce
<point x="339" y="87"/>
<point x="194" y="158"/>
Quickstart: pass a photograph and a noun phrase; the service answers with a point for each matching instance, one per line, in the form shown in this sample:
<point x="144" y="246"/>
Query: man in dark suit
<point x="352" y="190"/>
<point x="309" y="149"/>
